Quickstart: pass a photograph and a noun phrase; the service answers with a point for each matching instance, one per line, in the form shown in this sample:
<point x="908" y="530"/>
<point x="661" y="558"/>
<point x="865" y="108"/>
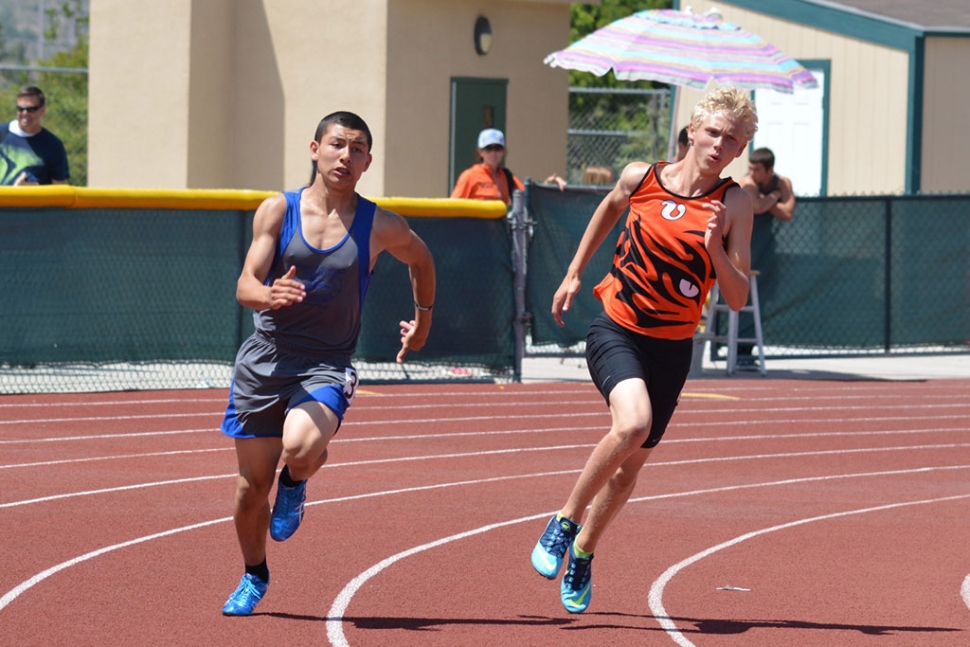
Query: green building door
<point x="476" y="104"/>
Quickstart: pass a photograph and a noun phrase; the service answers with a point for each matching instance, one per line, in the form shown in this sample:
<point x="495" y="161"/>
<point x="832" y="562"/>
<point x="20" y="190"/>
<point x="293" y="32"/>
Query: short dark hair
<point x="347" y="120"/>
<point x="32" y="91"/>
<point x="682" y="137"/>
<point x="762" y="156"/>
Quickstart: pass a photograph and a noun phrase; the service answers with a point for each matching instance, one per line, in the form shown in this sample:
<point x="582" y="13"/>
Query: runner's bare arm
<point x="391" y="233"/>
<point x="250" y="290"/>
<point x="731" y="221"/>
<point x="604" y="218"/>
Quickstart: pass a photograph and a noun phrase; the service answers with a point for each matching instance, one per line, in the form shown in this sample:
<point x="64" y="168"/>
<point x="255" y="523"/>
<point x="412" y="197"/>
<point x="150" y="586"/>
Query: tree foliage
<point x="647" y="127"/>
<point x="588" y="18"/>
<point x="66" y="91"/>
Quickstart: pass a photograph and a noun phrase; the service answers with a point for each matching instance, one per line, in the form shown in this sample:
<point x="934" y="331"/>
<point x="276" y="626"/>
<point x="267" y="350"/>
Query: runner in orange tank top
<point x="661" y="272"/>
<point x="687" y="227"/>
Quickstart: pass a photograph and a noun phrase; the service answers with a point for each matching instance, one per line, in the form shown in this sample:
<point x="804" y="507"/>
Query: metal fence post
<point x="518" y="219"/>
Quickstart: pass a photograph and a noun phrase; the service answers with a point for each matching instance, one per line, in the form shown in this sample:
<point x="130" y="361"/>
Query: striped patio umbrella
<point x="683" y="49"/>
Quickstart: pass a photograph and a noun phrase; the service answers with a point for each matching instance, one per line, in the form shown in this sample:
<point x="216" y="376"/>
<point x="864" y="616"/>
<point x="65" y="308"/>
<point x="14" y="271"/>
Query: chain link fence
<point x="611" y="127"/>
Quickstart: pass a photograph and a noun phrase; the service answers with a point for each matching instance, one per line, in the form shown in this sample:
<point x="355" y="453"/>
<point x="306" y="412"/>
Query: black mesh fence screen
<point x="846" y="274"/>
<point x="99" y="299"/>
<point x="115" y="299"/>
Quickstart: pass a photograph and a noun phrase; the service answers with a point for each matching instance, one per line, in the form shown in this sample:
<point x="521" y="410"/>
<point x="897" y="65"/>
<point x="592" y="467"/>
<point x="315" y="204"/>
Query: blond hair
<point x="731" y="102"/>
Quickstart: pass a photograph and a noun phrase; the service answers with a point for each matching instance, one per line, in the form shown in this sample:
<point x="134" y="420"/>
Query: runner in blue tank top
<point x="306" y="276"/>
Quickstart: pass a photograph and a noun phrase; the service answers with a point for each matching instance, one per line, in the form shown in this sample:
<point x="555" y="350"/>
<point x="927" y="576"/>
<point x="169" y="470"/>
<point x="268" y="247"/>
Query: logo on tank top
<point x="324" y="287"/>
<point x="672" y="210"/>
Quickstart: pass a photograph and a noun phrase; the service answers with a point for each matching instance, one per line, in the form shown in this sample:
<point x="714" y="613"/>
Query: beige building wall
<point x="868" y="101"/>
<point x="228" y="93"/>
<point x="423" y="61"/>
<point x="138" y="92"/>
<point x="946" y="97"/>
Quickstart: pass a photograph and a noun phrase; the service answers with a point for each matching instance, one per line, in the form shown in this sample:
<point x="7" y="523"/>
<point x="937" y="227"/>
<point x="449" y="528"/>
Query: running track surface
<point x="775" y="512"/>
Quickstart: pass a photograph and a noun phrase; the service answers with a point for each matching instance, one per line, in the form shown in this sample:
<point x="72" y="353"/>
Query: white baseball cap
<point x="491" y="136"/>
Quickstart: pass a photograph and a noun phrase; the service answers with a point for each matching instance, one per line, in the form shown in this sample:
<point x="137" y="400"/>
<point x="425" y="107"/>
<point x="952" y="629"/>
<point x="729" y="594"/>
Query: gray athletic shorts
<point x="268" y="381"/>
<point x="614" y="354"/>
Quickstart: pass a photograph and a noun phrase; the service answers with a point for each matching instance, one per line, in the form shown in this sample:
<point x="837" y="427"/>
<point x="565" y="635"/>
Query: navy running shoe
<point x="548" y="554"/>
<point x="577" y="584"/>
<point x="288" y="511"/>
<point x="243" y="600"/>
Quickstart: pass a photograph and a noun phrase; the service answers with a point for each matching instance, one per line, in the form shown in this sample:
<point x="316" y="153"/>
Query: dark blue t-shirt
<point x="42" y="156"/>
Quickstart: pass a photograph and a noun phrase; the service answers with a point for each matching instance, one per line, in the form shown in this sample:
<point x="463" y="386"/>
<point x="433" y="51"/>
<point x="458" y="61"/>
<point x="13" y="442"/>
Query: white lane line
<point x="133" y="434"/>
<point x="965" y="591"/>
<point x="333" y="618"/>
<point x="676" y="426"/>
<point x="335" y="615"/>
<point x="655" y="598"/>
<point x="404" y="459"/>
<point x="15" y="592"/>
<point x="37" y="421"/>
<point x="90" y="459"/>
<point x="407" y="459"/>
<point x="708" y="411"/>
<point x="18" y="590"/>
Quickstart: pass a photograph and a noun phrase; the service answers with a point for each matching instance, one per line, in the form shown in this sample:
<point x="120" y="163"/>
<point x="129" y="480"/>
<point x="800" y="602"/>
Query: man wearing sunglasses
<point x="29" y="153"/>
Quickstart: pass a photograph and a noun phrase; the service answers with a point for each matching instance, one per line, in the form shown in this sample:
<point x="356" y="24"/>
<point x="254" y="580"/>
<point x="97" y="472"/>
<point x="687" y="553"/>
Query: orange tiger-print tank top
<point x="661" y="272"/>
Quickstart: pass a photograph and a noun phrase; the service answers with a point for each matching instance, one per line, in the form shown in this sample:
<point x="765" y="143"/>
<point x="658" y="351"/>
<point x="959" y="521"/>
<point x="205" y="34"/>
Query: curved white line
<point x="655" y="598"/>
<point x="405" y="459"/>
<point x="15" y="592"/>
<point x="335" y="632"/>
<point x="335" y="616"/>
<point x="965" y="591"/>
<point x="11" y="595"/>
<point x="600" y="412"/>
<point x="457" y="434"/>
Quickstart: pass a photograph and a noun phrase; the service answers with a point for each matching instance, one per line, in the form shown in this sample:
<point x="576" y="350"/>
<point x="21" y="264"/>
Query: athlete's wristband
<point x="423" y="308"/>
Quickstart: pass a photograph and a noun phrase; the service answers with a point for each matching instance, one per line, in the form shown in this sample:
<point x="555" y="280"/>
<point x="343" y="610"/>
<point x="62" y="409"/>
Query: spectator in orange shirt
<point x="488" y="179"/>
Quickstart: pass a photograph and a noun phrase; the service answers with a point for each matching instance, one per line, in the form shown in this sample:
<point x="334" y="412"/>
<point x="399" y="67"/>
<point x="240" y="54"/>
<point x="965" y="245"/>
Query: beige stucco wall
<point x="227" y="93"/>
<point x="867" y="101"/>
<point x="422" y="61"/>
<point x="138" y="92"/>
<point x="946" y="97"/>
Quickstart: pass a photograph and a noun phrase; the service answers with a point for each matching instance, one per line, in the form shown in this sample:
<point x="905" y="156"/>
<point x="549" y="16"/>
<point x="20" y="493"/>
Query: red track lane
<point x="775" y="512"/>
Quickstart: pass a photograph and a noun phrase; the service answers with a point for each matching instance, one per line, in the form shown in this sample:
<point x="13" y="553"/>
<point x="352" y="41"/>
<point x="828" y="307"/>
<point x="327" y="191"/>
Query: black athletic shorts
<point x="614" y="354"/>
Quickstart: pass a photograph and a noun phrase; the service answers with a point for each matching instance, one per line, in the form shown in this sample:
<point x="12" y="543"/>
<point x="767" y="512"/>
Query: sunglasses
<point x="30" y="109"/>
<point x="494" y="147"/>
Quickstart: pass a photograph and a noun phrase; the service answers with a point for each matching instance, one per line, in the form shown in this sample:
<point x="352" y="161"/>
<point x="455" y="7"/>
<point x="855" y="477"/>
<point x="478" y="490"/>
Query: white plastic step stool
<point x="753" y="306"/>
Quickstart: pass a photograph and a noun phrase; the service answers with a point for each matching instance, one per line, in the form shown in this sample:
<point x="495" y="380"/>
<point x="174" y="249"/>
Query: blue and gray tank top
<point x="327" y="322"/>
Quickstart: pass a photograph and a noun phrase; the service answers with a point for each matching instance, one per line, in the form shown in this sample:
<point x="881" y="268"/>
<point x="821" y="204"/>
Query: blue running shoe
<point x="577" y="586"/>
<point x="288" y="511"/>
<point x="547" y="556"/>
<point x="243" y="600"/>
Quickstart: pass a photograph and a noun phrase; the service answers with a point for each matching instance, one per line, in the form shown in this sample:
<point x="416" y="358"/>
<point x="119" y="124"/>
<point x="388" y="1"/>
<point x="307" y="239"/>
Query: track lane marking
<point x="676" y="426"/>
<point x="655" y="598"/>
<point x="338" y="608"/>
<point x="517" y="450"/>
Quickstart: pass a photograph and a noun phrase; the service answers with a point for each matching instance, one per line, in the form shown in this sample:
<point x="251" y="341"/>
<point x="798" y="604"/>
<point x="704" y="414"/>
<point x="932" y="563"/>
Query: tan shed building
<point x="889" y="116"/>
<point x="228" y="93"/>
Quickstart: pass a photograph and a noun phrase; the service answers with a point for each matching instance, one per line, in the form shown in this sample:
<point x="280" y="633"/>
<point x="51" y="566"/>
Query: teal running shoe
<point x="288" y="511"/>
<point x="547" y="556"/>
<point x="243" y="600"/>
<point x="577" y="585"/>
